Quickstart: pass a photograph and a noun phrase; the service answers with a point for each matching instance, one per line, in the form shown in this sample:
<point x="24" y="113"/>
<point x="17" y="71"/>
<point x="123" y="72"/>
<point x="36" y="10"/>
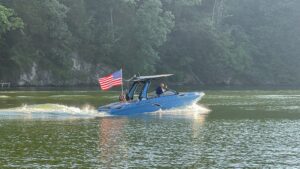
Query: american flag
<point x="111" y="80"/>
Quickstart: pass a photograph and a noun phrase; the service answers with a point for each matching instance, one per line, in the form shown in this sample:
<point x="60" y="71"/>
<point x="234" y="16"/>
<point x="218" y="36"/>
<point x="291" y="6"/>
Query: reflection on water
<point x="128" y="142"/>
<point x="231" y="129"/>
<point x="198" y="122"/>
<point x="199" y="118"/>
<point x="111" y="144"/>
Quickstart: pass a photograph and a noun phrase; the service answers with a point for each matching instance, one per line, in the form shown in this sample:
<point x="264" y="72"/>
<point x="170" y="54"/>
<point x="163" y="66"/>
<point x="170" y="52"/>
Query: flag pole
<point x="122" y="80"/>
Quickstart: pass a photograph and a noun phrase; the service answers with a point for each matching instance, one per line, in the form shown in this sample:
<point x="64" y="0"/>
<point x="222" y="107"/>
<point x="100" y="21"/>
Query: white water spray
<point x="52" y="111"/>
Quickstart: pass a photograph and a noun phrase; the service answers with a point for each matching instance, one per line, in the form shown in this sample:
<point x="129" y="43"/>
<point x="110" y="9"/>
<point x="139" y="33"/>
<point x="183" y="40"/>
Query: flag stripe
<point x="111" y="80"/>
<point x="119" y="81"/>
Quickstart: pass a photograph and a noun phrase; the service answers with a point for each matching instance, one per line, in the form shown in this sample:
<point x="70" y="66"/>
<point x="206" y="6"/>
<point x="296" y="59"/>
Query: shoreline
<point x="172" y="86"/>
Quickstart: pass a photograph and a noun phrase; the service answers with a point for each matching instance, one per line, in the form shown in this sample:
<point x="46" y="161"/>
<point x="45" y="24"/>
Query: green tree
<point x="9" y="22"/>
<point x="47" y="40"/>
<point x="151" y="29"/>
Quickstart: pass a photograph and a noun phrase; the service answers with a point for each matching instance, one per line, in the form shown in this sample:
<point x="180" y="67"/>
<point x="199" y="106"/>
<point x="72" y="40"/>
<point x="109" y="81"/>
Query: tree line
<point x="209" y="42"/>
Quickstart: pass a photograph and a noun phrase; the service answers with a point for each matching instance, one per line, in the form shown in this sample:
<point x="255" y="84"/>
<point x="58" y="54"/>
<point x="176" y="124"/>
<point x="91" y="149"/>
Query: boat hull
<point x="152" y="104"/>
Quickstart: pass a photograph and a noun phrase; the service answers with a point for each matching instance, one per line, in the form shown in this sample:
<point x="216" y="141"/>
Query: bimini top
<point x="143" y="78"/>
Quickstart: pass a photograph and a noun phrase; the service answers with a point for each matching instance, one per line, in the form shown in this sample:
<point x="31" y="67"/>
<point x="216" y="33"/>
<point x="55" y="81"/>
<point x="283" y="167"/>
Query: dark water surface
<point x="62" y="129"/>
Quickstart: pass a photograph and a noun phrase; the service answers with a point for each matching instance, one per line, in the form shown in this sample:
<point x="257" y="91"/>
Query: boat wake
<point x="51" y="111"/>
<point x="59" y="111"/>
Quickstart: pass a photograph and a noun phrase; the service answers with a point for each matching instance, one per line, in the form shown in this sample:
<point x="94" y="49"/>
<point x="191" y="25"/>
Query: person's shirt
<point x="159" y="91"/>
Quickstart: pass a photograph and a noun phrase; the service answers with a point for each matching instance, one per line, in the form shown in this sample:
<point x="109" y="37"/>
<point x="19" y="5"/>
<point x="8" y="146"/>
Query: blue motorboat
<point x="145" y="102"/>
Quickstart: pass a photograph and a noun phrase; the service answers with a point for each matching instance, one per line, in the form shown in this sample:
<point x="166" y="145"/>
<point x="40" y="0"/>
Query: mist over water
<point x="227" y="129"/>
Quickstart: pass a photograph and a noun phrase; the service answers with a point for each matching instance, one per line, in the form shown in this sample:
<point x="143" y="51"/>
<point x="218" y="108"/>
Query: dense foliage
<point x="66" y="42"/>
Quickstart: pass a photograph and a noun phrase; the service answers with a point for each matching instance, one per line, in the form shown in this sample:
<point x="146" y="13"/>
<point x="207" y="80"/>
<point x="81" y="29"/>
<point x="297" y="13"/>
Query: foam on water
<point x="25" y="96"/>
<point x="277" y="96"/>
<point x="4" y="96"/>
<point x="57" y="111"/>
<point x="113" y="97"/>
<point x="68" y="96"/>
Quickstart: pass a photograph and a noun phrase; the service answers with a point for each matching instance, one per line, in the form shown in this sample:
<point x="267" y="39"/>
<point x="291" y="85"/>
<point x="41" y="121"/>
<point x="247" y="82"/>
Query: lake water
<point x="227" y="129"/>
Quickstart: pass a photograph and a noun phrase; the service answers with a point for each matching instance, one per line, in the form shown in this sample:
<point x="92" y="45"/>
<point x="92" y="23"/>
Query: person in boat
<point x="161" y="89"/>
<point x="122" y="97"/>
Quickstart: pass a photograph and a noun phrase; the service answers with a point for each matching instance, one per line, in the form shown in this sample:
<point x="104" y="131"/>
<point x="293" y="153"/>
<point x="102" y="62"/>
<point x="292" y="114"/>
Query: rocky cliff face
<point x="80" y="73"/>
